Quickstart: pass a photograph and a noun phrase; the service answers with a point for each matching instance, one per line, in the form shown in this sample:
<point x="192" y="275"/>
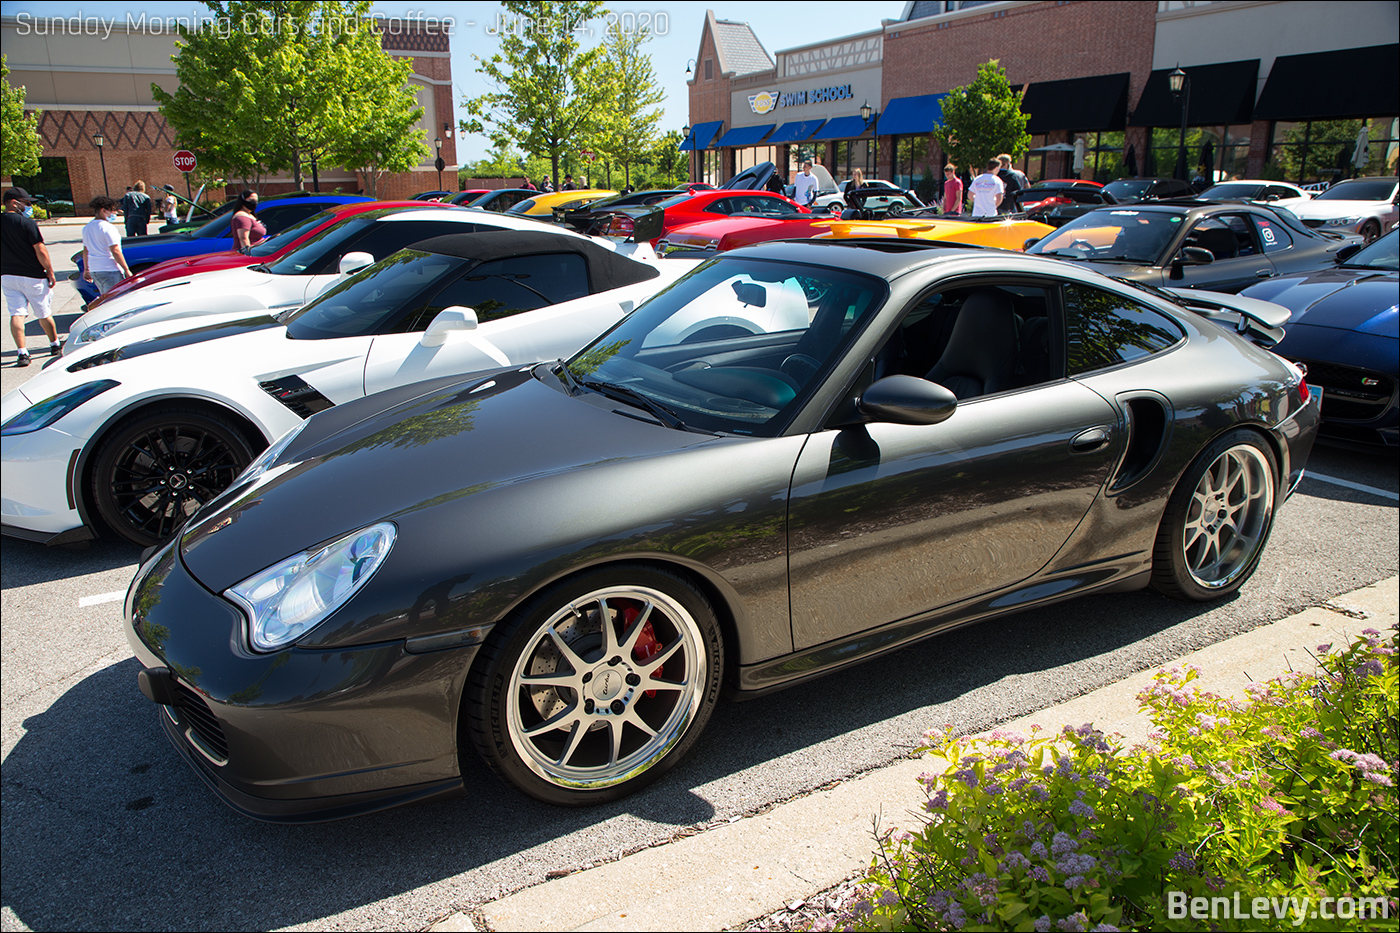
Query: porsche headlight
<point x="289" y="599"/>
<point x="50" y="410"/>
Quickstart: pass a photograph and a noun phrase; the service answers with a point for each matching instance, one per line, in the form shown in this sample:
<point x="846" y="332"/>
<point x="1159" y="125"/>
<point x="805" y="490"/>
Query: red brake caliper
<point x="647" y="645"/>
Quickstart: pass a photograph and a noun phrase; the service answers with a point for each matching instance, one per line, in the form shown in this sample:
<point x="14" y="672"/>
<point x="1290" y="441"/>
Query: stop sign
<point x="184" y="161"/>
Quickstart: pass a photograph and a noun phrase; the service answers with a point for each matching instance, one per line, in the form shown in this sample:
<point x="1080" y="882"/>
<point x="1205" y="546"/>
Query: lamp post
<point x="690" y="156"/>
<point x="690" y="66"/>
<point x="99" y="140"/>
<point x="1180" y="84"/>
<point x="438" y="143"/>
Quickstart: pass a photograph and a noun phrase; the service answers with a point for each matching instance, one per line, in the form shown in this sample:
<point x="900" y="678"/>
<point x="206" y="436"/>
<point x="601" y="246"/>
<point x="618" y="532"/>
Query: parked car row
<point x="444" y="481"/>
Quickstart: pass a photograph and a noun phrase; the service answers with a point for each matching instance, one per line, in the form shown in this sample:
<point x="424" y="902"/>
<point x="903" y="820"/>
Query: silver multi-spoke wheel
<point x="1218" y="519"/>
<point x="1228" y="516"/>
<point x="600" y="687"/>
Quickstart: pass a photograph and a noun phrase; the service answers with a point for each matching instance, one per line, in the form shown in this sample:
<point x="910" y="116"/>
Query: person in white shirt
<point x="806" y="184"/>
<point x="987" y="191"/>
<point x="103" y="262"/>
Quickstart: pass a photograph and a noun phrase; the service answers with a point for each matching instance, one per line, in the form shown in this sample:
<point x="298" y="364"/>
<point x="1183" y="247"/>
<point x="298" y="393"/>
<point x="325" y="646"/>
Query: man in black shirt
<point x="28" y="272"/>
<point x="136" y="207"/>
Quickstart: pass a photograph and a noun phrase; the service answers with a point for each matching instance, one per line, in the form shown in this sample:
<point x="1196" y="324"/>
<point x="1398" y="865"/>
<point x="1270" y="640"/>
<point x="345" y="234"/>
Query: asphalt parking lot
<point x="106" y="828"/>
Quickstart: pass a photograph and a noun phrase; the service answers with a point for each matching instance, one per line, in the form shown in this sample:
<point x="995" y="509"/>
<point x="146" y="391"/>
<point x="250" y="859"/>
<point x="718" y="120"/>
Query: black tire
<point x="1370" y="230"/>
<point x="152" y="472"/>
<point x="523" y="681"/>
<point x="1217" y="520"/>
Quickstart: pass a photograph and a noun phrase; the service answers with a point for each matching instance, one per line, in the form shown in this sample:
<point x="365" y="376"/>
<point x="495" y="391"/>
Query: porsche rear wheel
<point x="1217" y="520"/>
<point x="599" y="686"/>
<point x="153" y="472"/>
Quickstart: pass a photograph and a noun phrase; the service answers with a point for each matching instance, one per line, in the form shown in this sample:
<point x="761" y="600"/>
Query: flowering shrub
<point x="1249" y="807"/>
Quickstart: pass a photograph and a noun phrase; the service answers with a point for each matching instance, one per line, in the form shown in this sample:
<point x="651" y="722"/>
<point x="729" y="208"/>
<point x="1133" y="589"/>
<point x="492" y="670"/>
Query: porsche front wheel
<point x="1217" y="520"/>
<point x="153" y="472"/>
<point x="601" y="685"/>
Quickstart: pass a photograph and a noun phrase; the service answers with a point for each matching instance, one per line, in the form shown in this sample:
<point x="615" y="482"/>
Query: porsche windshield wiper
<point x="624" y="393"/>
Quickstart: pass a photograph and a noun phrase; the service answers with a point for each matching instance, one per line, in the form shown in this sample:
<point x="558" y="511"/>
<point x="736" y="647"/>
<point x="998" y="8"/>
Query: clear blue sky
<point x="778" y="26"/>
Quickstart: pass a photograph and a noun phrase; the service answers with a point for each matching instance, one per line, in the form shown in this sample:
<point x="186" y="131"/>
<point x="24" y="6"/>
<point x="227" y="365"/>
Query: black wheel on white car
<point x="597" y="686"/>
<point x="154" y="471"/>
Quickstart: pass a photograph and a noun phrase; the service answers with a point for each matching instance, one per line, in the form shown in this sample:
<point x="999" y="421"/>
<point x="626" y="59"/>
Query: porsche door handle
<point x="1265" y="274"/>
<point x="1090" y="440"/>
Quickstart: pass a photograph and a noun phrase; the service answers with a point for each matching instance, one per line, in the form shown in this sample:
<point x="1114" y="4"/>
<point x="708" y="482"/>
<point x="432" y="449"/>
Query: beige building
<point x="92" y="75"/>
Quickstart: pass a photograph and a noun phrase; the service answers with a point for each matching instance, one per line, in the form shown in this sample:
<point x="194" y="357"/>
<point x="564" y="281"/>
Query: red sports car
<point x="1044" y="195"/>
<point x="268" y="251"/>
<point x="652" y="222"/>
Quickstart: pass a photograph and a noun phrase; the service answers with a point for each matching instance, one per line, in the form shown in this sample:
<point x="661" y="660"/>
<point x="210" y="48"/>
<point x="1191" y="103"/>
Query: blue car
<point x="277" y="214"/>
<point x="1346" y="330"/>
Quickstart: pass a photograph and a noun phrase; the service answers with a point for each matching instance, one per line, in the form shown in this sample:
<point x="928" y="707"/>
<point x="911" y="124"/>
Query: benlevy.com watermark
<point x="1296" y="910"/>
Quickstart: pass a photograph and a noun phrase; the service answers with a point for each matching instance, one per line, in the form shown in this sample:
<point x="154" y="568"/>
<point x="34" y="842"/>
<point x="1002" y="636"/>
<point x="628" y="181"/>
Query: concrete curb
<point x="729" y="875"/>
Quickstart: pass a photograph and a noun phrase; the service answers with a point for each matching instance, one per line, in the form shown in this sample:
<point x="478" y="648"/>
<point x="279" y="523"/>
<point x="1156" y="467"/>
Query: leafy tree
<point x="291" y="82"/>
<point x="627" y="128"/>
<point x="983" y="120"/>
<point x="549" y="91"/>
<point x="20" y="145"/>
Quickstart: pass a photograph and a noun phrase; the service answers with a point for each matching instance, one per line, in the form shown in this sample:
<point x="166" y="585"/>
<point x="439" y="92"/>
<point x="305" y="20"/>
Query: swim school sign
<point x="768" y="101"/>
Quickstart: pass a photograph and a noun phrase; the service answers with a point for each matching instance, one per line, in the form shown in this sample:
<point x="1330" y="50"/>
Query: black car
<point x="1194" y="244"/>
<point x="503" y="200"/>
<point x="595" y="217"/>
<point x="1345" y="328"/>
<point x="561" y="566"/>
<point x="1043" y="197"/>
<point x="1122" y="191"/>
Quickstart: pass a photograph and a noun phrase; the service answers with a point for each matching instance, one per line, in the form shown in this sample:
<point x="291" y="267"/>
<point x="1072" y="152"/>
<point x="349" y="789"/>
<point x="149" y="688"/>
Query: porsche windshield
<point x="1380" y="255"/>
<point x="1117" y="235"/>
<point x="371" y="298"/>
<point x="735" y="346"/>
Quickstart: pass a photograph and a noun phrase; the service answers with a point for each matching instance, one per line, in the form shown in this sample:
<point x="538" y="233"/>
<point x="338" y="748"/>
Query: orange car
<point x="731" y="232"/>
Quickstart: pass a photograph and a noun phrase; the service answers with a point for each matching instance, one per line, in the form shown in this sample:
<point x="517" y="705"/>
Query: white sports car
<point x="296" y="278"/>
<point x="133" y="431"/>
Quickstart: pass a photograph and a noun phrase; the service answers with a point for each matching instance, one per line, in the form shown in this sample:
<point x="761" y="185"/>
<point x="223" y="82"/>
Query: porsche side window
<point x="1272" y="235"/>
<point x="1105" y="329"/>
<point x="1227" y="236"/>
<point x="974" y="341"/>
<point x="499" y="289"/>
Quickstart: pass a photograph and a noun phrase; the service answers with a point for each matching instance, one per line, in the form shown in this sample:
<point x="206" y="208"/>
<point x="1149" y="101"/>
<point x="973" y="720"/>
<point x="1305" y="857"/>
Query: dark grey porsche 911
<point x="563" y="566"/>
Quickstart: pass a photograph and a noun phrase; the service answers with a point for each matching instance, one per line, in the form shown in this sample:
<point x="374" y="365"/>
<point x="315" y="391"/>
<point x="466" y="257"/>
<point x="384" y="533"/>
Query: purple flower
<point x="1019" y="783"/>
<point x="1375" y="777"/>
<point x="1028" y="829"/>
<point x="1042" y="924"/>
<point x="888" y="899"/>
<point x="1038" y="849"/>
<point x="1088" y="835"/>
<point x="1062" y="844"/>
<point x="993" y="789"/>
<point x="1039" y="792"/>
<point x="1076" y="864"/>
<point x="1371" y="668"/>
<point x="1183" y="861"/>
<point x="1074" y="923"/>
<point x="1080" y="808"/>
<point x="938" y="801"/>
<point x="1323" y="649"/>
<point x="1104" y="928"/>
<point x="1014" y="861"/>
<point x="967" y="776"/>
<point x="1039" y="874"/>
<point x="1074" y="881"/>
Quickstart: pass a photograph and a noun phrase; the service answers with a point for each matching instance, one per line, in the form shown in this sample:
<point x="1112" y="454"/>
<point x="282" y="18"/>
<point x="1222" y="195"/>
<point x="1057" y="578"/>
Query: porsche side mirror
<point x="1030" y="242"/>
<point x="907" y="400"/>
<point x="448" y="320"/>
<point x="351" y="263"/>
<point x="1348" y="251"/>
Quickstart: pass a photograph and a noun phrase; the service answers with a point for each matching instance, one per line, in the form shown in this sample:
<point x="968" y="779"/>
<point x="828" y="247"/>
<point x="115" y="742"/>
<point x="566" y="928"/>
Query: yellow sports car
<point x="1004" y="233"/>
<point x="543" y="205"/>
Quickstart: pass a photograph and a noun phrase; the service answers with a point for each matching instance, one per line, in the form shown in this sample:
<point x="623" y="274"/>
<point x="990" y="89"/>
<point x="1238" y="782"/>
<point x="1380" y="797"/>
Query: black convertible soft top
<point x="606" y="269"/>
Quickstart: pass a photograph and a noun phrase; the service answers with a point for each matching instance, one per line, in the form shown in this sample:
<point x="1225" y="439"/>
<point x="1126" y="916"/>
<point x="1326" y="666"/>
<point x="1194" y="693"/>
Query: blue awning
<point x="911" y="115"/>
<point x="701" y="135"/>
<point x="743" y="136"/>
<point x="796" y="131"/>
<point x="843" y="128"/>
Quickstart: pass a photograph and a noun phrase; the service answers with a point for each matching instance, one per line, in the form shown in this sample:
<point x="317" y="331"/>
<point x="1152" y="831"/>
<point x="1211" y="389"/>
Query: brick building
<point x="1272" y="83"/>
<point x="93" y="76"/>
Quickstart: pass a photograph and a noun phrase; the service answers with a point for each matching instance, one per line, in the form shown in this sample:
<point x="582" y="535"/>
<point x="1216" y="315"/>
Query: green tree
<point x="549" y="91"/>
<point x="983" y="120"/>
<point x="291" y="82"/>
<point x="627" y="126"/>
<point x="20" y="145"/>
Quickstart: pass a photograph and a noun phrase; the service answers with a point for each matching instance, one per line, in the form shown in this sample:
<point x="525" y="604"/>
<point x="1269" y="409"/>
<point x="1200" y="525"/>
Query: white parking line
<point x="101" y="598"/>
<point x="1383" y="493"/>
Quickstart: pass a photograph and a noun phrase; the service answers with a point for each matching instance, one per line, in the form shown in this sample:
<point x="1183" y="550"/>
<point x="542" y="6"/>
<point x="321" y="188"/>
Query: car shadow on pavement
<point x="107" y="828"/>
<point x="24" y="563"/>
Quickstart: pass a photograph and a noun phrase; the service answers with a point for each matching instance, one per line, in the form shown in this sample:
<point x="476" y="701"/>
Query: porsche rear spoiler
<point x="1260" y="321"/>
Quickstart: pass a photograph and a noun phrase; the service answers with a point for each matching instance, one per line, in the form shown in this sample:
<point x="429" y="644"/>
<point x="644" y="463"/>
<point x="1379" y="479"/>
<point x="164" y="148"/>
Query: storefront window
<point x="1322" y="150"/>
<point x="852" y="154"/>
<point x="912" y="162"/>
